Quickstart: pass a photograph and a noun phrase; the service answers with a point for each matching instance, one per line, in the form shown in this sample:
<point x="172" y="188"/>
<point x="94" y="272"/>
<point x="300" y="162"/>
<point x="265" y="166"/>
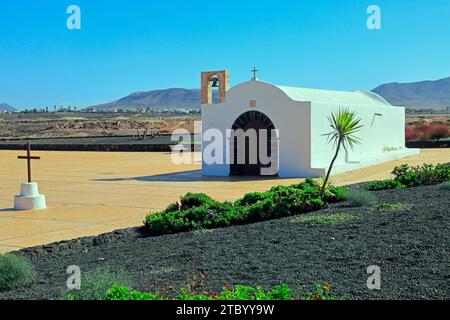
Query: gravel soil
<point x="411" y="246"/>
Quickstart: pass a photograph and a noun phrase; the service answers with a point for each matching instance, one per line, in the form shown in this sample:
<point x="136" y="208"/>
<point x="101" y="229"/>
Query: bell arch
<point x="211" y="79"/>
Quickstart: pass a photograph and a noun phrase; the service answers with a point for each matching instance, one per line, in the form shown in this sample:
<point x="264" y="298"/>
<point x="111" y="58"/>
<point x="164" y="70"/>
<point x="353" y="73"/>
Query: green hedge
<point x="246" y="293"/>
<point x="199" y="211"/>
<point x="406" y="176"/>
<point x="385" y="185"/>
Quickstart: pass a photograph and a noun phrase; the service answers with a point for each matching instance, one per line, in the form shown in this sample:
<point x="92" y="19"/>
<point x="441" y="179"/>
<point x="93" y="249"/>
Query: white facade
<point x="301" y="116"/>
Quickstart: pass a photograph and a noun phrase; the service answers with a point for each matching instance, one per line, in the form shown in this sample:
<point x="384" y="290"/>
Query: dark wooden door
<point x="250" y="169"/>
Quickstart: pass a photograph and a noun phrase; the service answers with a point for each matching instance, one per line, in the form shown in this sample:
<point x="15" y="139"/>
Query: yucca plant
<point x="345" y="125"/>
<point x="324" y="184"/>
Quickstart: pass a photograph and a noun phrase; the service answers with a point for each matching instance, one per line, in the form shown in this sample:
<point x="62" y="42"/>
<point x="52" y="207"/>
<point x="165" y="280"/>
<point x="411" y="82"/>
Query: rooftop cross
<point x="254" y="73"/>
<point x="28" y="157"/>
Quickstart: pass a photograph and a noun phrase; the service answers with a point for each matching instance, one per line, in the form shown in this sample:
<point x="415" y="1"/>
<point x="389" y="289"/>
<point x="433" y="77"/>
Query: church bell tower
<point x="214" y="79"/>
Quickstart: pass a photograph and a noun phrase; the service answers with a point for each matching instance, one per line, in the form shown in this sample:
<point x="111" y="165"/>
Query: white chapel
<point x="296" y="120"/>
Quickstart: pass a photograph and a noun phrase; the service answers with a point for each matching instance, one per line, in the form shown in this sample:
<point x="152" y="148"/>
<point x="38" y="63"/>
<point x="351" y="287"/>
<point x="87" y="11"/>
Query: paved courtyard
<point x="92" y="193"/>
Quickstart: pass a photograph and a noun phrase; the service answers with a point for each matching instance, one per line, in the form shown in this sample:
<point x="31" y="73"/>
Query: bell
<point x="215" y="82"/>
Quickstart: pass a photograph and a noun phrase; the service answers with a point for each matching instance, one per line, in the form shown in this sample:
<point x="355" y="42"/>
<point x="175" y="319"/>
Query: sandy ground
<point x="92" y="193"/>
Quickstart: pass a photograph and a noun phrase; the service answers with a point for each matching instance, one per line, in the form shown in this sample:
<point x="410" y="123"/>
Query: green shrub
<point x="243" y="293"/>
<point x="116" y="293"/>
<point x="406" y="176"/>
<point x="361" y="198"/>
<point x="385" y="185"/>
<point x="199" y="211"/>
<point x="204" y="217"/>
<point x="424" y="175"/>
<point x="336" y="194"/>
<point x="172" y="207"/>
<point x="195" y="200"/>
<point x="321" y="292"/>
<point x="94" y="284"/>
<point x="15" y="272"/>
<point x="445" y="185"/>
<point x="252" y="198"/>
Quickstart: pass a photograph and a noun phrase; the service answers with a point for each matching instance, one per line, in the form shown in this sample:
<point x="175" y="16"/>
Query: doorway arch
<point x="247" y="121"/>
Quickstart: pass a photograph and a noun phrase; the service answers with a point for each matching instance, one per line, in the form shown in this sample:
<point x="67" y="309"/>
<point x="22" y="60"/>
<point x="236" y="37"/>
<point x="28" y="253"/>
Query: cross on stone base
<point x="28" y="157"/>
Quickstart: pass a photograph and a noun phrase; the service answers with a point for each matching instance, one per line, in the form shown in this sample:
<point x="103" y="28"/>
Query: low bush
<point x="385" y="185"/>
<point x="332" y="194"/>
<point x="391" y="207"/>
<point x="427" y="132"/>
<point x="15" y="272"/>
<point x="406" y="176"/>
<point x="245" y="293"/>
<point x="411" y="134"/>
<point x="316" y="219"/>
<point x="94" y="284"/>
<point x="117" y="293"/>
<point x="423" y="175"/>
<point x="195" y="200"/>
<point x="199" y="211"/>
<point x="336" y="194"/>
<point x="445" y="185"/>
<point x="435" y="132"/>
<point x="361" y="198"/>
<point x="201" y="232"/>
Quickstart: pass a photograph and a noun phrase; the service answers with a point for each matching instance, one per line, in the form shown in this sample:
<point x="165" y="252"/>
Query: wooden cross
<point x="28" y="157"/>
<point x="254" y="72"/>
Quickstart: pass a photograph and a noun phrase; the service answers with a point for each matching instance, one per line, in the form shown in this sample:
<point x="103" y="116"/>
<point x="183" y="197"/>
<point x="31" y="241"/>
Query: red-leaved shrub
<point x="427" y="132"/>
<point x="412" y="133"/>
<point x="435" y="132"/>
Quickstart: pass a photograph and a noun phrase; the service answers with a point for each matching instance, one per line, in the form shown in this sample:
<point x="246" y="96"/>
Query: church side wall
<point x="383" y="134"/>
<point x="295" y="141"/>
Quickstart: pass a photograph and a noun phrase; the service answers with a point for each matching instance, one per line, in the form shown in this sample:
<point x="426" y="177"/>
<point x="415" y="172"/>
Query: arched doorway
<point x="242" y="149"/>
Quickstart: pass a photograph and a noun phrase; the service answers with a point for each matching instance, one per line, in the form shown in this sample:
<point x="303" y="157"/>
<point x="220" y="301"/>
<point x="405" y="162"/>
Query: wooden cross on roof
<point x="28" y="157"/>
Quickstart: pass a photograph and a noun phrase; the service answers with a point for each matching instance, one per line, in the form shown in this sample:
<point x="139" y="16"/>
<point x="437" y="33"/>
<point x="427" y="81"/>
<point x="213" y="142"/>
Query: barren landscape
<point x="428" y="119"/>
<point x="60" y="125"/>
<point x="57" y="125"/>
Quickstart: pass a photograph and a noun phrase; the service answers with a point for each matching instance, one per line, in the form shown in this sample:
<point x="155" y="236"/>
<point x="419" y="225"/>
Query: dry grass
<point x="418" y="120"/>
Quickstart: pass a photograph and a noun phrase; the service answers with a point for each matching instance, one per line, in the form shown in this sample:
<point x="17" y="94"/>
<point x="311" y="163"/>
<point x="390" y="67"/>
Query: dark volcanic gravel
<point x="411" y="247"/>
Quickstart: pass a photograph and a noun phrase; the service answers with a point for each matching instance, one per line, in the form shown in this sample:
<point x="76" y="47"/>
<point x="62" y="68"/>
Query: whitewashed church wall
<point x="382" y="133"/>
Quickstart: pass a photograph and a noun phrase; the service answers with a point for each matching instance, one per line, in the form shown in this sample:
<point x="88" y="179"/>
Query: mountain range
<point x="4" y="107"/>
<point x="156" y="99"/>
<point x="416" y="95"/>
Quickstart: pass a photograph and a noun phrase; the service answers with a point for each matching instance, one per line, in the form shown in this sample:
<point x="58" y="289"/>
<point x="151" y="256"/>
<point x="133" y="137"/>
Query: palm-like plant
<point x="345" y="125"/>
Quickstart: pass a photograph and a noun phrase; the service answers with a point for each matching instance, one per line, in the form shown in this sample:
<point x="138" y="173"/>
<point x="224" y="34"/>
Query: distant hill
<point x="156" y="99"/>
<point x="4" y="107"/>
<point x="417" y="95"/>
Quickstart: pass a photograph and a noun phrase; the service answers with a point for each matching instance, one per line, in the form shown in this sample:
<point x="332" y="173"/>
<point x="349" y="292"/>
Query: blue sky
<point x="134" y="45"/>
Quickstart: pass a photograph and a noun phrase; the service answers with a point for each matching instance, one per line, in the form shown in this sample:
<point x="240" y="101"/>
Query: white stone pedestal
<point x="29" y="198"/>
